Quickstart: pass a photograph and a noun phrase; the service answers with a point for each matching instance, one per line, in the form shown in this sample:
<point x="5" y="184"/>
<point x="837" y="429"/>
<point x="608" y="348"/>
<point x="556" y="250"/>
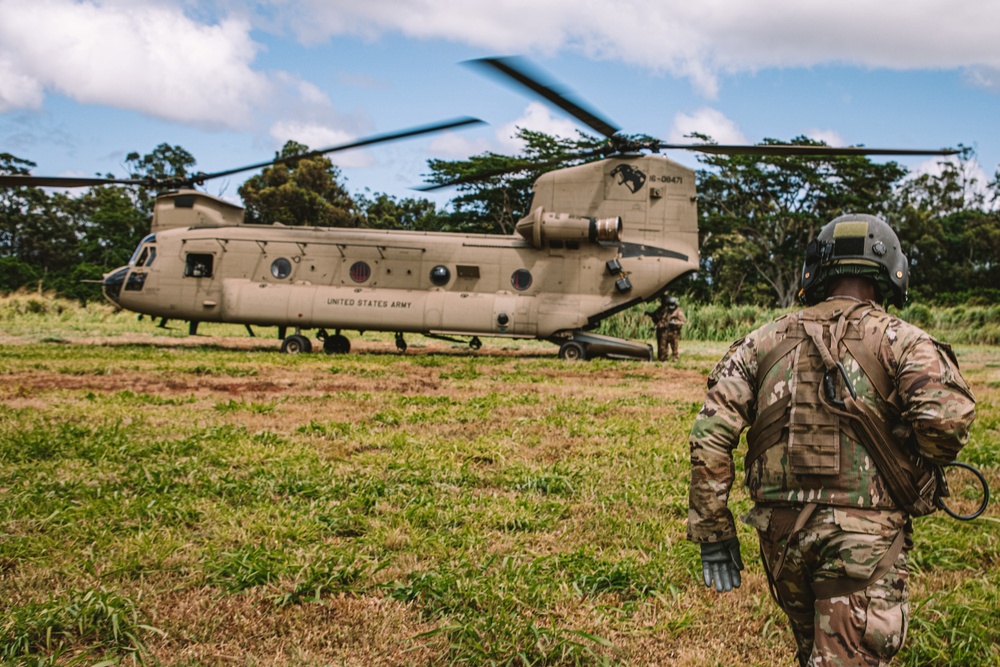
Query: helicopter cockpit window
<point x="146" y="256"/>
<point x="151" y="238"/>
<point x="198" y="265"/>
<point x="135" y="282"/>
<point x="360" y="272"/>
<point x="440" y="275"/>
<point x="521" y="279"/>
<point x="281" y="268"/>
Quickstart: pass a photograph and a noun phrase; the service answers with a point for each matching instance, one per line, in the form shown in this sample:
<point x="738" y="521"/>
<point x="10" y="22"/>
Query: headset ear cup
<point x="810" y="271"/>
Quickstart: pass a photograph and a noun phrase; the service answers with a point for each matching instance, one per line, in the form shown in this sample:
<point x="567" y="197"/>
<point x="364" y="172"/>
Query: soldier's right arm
<point x="937" y="402"/>
<point x="714" y="436"/>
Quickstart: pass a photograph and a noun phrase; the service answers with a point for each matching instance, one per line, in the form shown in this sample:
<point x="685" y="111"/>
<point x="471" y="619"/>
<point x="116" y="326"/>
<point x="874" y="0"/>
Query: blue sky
<point x="83" y="83"/>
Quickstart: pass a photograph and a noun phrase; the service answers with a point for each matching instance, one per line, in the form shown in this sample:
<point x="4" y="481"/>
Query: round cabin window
<point x="440" y="275"/>
<point x="521" y="279"/>
<point x="281" y="268"/>
<point x="360" y="272"/>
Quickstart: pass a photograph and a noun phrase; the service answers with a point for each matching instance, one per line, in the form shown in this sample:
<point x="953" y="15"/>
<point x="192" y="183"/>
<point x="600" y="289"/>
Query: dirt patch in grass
<point x="207" y="628"/>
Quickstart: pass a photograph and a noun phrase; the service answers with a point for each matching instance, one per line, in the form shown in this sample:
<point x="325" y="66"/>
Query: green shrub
<point x="963" y="324"/>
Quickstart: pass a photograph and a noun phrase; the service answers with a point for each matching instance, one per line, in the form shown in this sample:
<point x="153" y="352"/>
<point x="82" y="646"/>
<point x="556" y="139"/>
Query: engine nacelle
<point x="539" y="227"/>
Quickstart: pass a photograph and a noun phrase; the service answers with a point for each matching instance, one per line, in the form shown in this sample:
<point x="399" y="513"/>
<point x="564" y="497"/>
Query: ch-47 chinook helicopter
<point x="600" y="237"/>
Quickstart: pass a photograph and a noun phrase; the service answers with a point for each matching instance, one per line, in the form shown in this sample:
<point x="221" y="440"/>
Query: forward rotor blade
<point x="200" y="177"/>
<point x="517" y="70"/>
<point x="368" y="141"/>
<point x="24" y="180"/>
<point x="794" y="149"/>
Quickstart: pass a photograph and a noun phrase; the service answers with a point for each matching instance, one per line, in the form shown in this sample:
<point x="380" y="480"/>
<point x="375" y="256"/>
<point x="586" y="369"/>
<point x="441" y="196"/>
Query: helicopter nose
<point x="113" y="283"/>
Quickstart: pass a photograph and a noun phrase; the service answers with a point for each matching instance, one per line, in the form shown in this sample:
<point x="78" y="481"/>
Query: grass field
<point x="189" y="501"/>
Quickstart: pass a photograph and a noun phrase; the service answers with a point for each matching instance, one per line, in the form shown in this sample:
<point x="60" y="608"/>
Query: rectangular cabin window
<point x="198" y="265"/>
<point x="572" y="245"/>
<point x="467" y="271"/>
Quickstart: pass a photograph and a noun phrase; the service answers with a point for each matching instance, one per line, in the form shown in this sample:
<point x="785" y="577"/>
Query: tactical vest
<point x="811" y="420"/>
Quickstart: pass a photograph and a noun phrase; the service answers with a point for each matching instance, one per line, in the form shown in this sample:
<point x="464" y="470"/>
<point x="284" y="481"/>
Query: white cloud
<point x="16" y="89"/>
<point x="537" y="117"/>
<point x="317" y="136"/>
<point x="830" y="137"/>
<point x="984" y="77"/>
<point x="707" y="121"/>
<point x="452" y="146"/>
<point x="974" y="177"/>
<point x="698" y="40"/>
<point x="193" y="61"/>
<point x="145" y="57"/>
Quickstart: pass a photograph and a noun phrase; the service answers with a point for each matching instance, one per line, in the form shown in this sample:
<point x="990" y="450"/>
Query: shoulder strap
<point x="775" y="354"/>
<point x="791" y="338"/>
<point x="871" y="365"/>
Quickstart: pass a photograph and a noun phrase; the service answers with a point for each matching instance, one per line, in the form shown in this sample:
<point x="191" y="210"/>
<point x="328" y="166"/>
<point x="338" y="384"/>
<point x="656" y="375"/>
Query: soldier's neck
<point x="852" y="287"/>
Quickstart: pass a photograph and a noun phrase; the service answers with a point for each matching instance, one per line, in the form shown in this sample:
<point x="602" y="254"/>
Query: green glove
<point x="721" y="563"/>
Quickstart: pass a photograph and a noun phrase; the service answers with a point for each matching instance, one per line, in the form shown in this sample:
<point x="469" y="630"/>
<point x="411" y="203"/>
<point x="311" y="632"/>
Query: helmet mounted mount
<point x="855" y="245"/>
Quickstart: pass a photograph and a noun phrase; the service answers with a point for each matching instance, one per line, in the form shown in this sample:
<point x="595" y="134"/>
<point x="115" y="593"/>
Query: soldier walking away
<point x="851" y="413"/>
<point x="668" y="320"/>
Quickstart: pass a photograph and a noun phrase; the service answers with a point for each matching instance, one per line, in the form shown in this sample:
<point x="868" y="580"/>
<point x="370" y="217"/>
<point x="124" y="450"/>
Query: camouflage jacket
<point x="936" y="408"/>
<point x="665" y="318"/>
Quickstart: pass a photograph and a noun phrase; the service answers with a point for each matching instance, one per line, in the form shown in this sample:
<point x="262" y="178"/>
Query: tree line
<point x="756" y="215"/>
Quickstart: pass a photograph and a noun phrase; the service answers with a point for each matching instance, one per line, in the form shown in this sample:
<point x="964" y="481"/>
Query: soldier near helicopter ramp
<point x="668" y="320"/>
<point x="848" y="408"/>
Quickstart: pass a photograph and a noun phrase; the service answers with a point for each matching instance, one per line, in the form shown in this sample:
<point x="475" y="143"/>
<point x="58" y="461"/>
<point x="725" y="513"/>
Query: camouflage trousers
<point x="667" y="343"/>
<point x="863" y="627"/>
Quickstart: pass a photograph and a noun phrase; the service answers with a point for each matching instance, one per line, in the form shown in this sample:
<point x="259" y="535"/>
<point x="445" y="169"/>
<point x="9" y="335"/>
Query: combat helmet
<point x="671" y="302"/>
<point x="856" y="245"/>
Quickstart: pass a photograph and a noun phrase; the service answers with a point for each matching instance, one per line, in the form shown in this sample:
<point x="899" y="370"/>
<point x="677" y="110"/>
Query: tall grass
<point x="705" y="322"/>
<point x="967" y="325"/>
<point x="31" y="313"/>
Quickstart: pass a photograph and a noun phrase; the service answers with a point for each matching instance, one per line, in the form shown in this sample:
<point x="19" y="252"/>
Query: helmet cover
<point x="859" y="245"/>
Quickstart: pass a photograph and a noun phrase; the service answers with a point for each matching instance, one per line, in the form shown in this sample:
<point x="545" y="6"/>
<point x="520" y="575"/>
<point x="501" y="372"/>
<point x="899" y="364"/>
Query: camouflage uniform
<point x="668" y="331"/>
<point x="826" y="527"/>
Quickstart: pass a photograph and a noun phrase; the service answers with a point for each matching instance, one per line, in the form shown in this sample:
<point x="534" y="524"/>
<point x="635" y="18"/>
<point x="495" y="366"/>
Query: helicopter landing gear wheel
<point x="336" y="344"/>
<point x="475" y="343"/>
<point x="572" y="351"/>
<point x="296" y="344"/>
<point x="400" y="343"/>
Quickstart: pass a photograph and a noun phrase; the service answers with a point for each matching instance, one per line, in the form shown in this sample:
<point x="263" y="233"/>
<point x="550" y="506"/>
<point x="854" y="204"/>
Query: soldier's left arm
<point x="714" y="436"/>
<point x="937" y="401"/>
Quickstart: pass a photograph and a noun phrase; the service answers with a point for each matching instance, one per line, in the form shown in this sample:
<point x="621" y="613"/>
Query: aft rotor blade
<point x="795" y="149"/>
<point x="516" y="70"/>
<point x="368" y="141"/>
<point x="510" y="169"/>
<point x="25" y="180"/>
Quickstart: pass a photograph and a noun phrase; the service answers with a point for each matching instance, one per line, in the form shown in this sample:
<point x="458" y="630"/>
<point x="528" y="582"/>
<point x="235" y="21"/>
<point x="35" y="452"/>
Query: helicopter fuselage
<point x="600" y="238"/>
